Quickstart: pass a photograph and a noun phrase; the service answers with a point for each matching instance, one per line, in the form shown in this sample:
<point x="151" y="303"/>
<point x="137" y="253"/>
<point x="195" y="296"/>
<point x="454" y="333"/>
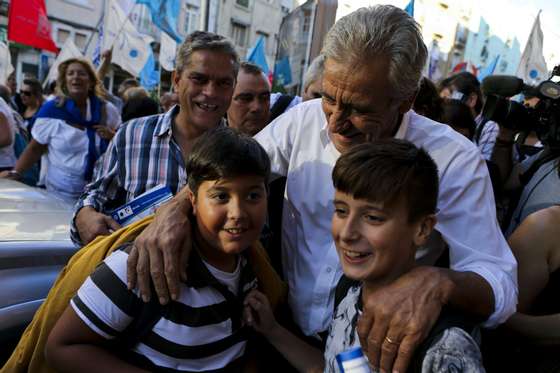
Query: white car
<point x="34" y="246"/>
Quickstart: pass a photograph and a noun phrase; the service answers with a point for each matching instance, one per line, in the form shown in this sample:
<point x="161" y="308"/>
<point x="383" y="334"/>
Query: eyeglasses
<point x="26" y="93"/>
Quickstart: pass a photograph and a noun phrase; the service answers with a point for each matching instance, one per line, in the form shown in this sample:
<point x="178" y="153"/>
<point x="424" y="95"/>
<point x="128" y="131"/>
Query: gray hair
<point x="381" y="30"/>
<point x="202" y="40"/>
<point x="314" y="71"/>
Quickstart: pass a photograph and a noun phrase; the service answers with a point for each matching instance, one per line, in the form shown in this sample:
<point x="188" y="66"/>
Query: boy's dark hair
<point x="225" y="152"/>
<point x="385" y="171"/>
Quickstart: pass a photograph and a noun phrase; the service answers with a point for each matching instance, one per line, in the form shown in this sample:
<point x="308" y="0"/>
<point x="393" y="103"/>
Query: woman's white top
<point x="67" y="152"/>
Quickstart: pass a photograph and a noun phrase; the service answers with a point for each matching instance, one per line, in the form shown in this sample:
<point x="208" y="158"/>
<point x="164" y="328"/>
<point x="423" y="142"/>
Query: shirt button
<point x="329" y="269"/>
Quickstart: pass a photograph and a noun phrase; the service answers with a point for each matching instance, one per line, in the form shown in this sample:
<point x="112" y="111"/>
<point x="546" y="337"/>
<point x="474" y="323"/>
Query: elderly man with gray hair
<point x="150" y="151"/>
<point x="373" y="63"/>
<point x="313" y="78"/>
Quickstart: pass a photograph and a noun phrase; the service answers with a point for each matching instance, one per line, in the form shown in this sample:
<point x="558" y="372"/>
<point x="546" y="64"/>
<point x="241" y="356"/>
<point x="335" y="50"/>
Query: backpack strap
<point x="280" y="106"/>
<point x="479" y="129"/>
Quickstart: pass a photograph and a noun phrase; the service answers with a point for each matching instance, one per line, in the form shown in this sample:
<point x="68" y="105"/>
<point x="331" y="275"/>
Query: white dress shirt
<point x="299" y="147"/>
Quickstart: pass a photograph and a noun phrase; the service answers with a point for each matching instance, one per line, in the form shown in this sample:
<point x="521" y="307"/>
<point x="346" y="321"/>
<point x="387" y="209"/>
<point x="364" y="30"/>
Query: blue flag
<point x="257" y="56"/>
<point x="149" y="76"/>
<point x="283" y="71"/>
<point x="164" y="15"/>
<point x="410" y="8"/>
<point x="96" y="57"/>
<point x="489" y="70"/>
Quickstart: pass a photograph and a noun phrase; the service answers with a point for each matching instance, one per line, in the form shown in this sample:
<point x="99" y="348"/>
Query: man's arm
<point x="89" y="220"/>
<point x="535" y="245"/>
<point x="73" y="347"/>
<point x="161" y="251"/>
<point x="103" y="69"/>
<point x="502" y="156"/>
<point x="31" y="155"/>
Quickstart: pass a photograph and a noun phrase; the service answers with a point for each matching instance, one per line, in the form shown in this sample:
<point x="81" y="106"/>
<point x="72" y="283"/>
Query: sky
<point x="508" y="18"/>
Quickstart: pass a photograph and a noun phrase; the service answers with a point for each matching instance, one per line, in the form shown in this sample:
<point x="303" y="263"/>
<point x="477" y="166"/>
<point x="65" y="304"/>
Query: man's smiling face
<point x="359" y="103"/>
<point x="205" y="87"/>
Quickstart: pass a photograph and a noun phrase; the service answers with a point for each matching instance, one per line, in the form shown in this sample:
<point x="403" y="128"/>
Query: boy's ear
<point x="424" y="229"/>
<point x="192" y="199"/>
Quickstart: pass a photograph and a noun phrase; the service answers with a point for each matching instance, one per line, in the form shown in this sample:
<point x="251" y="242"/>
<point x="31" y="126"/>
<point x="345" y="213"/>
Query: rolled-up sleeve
<point x="467" y="222"/>
<point x="104" y="187"/>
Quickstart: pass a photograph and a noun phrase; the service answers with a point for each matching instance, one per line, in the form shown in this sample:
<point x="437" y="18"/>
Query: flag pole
<point x="159" y="83"/>
<point x="101" y="19"/>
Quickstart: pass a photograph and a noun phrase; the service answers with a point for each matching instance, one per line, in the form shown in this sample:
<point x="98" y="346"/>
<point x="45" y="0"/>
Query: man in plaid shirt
<point x="150" y="151"/>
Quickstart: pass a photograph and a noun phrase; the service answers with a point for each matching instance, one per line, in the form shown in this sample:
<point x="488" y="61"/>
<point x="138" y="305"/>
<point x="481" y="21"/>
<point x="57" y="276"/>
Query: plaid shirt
<point x="141" y="156"/>
<point x="487" y="137"/>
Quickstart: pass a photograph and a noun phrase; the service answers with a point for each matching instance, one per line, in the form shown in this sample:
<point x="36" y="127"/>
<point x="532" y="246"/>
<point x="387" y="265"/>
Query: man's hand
<point x="398" y="316"/>
<point x="162" y="250"/>
<point x="107" y="55"/>
<point x="91" y="224"/>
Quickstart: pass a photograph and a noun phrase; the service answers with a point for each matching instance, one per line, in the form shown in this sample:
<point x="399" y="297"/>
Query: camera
<point x="544" y="118"/>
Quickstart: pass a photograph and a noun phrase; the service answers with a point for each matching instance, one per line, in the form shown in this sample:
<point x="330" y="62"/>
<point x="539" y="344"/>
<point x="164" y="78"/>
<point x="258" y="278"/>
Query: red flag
<point x="28" y="24"/>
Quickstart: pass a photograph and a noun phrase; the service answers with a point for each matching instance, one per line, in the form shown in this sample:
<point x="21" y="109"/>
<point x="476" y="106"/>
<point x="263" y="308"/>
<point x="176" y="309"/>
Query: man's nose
<point x="337" y="118"/>
<point x="256" y="105"/>
<point x="210" y="89"/>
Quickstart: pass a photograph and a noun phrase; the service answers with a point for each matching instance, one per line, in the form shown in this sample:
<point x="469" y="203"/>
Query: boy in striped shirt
<point x="202" y="329"/>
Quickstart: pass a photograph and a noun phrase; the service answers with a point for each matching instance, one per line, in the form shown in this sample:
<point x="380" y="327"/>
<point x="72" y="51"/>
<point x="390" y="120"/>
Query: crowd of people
<point x="379" y="197"/>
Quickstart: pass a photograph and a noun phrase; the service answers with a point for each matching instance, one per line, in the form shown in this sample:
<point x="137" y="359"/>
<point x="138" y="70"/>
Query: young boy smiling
<point x="202" y="330"/>
<point x="384" y="209"/>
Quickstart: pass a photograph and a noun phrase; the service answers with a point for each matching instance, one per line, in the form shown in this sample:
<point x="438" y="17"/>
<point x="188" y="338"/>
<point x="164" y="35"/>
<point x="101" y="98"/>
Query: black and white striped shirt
<point x="199" y="332"/>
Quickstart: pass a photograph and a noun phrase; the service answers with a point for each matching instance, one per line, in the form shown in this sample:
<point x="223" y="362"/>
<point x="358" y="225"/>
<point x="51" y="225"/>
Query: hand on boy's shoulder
<point x="404" y="312"/>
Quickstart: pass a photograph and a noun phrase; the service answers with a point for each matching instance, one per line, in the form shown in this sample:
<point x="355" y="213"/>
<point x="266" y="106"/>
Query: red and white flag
<point x="28" y="24"/>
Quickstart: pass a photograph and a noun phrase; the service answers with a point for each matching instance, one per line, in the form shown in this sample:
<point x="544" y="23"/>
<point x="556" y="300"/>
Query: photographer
<point x="537" y="177"/>
<point x="465" y="87"/>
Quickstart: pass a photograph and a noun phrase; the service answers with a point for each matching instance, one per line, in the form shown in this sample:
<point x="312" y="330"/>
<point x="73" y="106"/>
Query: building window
<point x="244" y="3"/>
<point x="62" y="35"/>
<point x="239" y="34"/>
<point x="191" y="19"/>
<point x="80" y="40"/>
<point x="29" y="70"/>
<point x="81" y="3"/>
<point x="306" y="20"/>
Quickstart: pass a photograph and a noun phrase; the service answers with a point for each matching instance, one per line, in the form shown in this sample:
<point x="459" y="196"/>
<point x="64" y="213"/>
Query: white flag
<point x="131" y="49"/>
<point x="532" y="67"/>
<point x="6" y="67"/>
<point x="69" y="50"/>
<point x="167" y="52"/>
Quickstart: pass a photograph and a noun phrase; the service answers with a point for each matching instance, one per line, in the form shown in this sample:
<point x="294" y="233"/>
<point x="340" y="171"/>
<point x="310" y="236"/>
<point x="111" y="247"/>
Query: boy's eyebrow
<point x="367" y="206"/>
<point x="221" y="188"/>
